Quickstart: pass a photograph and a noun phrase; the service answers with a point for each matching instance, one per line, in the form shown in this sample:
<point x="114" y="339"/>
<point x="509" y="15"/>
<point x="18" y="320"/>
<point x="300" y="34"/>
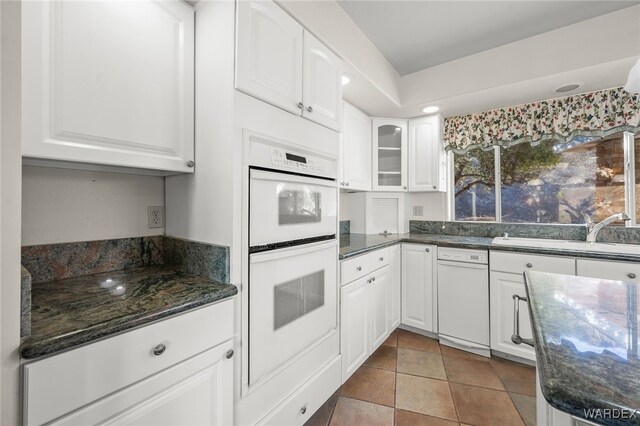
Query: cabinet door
<point x="321" y="84"/>
<point x="356" y="149"/>
<point x="503" y="287"/>
<point x="109" y="83"/>
<point x="196" y="391"/>
<point x="621" y="271"/>
<point x="378" y="315"/>
<point x="355" y="325"/>
<point x="389" y="155"/>
<point x="395" y="285"/>
<point x="269" y="54"/>
<point x="427" y="159"/>
<point x="418" y="278"/>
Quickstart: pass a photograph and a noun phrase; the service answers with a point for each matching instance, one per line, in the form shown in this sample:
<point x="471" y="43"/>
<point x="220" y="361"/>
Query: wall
<point x="61" y="205"/>
<point x="345" y="211"/>
<point x="434" y="205"/>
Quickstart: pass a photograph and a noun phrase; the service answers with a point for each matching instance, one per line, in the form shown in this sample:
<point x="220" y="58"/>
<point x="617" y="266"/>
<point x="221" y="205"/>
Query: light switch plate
<point x="417" y="211"/>
<point x="155" y="216"/>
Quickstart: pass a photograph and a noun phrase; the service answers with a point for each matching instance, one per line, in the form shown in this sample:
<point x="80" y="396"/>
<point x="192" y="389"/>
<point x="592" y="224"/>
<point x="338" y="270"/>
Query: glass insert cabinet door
<point x="389" y="155"/>
<point x="292" y="303"/>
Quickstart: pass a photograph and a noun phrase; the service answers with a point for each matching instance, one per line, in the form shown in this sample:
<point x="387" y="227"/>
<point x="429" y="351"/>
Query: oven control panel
<point x="296" y="162"/>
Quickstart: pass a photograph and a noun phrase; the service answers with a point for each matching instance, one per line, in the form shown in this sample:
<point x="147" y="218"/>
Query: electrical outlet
<point x="417" y="210"/>
<point x="155" y="216"/>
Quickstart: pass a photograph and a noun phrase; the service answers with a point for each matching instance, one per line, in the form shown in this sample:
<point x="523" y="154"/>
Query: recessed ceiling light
<point x="430" y="109"/>
<point x="346" y="79"/>
<point x="568" y="87"/>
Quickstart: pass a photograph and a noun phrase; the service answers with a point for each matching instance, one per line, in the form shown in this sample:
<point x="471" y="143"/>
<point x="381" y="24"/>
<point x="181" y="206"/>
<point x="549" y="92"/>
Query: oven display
<point x="296" y="158"/>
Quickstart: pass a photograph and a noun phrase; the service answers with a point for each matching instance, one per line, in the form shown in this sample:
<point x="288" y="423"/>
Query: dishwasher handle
<point x="516" y="338"/>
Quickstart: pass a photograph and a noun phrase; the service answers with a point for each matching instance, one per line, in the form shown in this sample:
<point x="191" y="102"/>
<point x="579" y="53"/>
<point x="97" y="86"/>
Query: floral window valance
<point x="600" y="114"/>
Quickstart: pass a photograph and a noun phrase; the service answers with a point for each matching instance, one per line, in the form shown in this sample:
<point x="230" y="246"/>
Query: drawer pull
<point x="529" y="265"/>
<point x="515" y="337"/>
<point x="427" y="250"/>
<point x="303" y="409"/>
<point x="381" y="259"/>
<point x="229" y="354"/>
<point x="631" y="275"/>
<point x="359" y="268"/>
<point x="159" y="349"/>
<point x="373" y="279"/>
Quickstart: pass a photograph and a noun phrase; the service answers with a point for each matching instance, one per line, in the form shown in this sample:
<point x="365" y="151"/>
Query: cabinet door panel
<point x="269" y="54"/>
<point x="356" y="149"/>
<point x="395" y="284"/>
<point x="503" y="287"/>
<point x="389" y="155"/>
<point x="417" y="286"/>
<point x="109" y="83"/>
<point x="322" y="84"/>
<point x="355" y="326"/>
<point x="427" y="163"/>
<point x="621" y="271"/>
<point x="378" y="315"/>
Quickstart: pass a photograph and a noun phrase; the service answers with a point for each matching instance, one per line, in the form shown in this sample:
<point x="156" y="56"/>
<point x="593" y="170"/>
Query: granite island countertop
<point x="586" y="341"/>
<point x="74" y="311"/>
<point x="356" y="244"/>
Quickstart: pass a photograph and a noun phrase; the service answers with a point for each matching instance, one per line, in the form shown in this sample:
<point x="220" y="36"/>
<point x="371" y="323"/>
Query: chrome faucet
<point x="594" y="228"/>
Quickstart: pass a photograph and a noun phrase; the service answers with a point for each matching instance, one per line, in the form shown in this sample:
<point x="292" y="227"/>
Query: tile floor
<point x="412" y="380"/>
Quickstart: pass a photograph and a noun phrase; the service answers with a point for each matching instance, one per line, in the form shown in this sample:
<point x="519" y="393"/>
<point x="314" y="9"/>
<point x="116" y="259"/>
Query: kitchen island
<point x="586" y="340"/>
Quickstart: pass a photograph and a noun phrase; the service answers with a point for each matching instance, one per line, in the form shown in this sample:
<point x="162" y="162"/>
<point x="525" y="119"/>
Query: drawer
<point x="305" y="401"/>
<point x="379" y="258"/>
<point x="517" y="263"/>
<point x="62" y="383"/>
<point x="621" y="271"/>
<point x="352" y="269"/>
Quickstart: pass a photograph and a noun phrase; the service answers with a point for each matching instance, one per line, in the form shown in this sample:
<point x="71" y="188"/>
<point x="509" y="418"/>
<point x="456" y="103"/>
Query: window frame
<point x="628" y="143"/>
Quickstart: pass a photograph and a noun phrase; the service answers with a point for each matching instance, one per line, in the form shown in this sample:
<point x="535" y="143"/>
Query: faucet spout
<point x="594" y="229"/>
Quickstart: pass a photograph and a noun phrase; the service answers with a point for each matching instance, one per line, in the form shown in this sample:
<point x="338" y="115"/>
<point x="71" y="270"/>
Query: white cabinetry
<point x="279" y="62"/>
<point x="108" y="83"/>
<point x="389" y="154"/>
<point x="621" y="271"/>
<point x="506" y="280"/>
<point x="419" y="292"/>
<point x="169" y="372"/>
<point x="395" y="286"/>
<point x="427" y="159"/>
<point x="356" y="150"/>
<point x="365" y="305"/>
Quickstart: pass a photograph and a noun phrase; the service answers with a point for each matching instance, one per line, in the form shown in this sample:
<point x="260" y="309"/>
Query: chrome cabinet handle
<point x="159" y="349"/>
<point x="309" y="109"/>
<point x="427" y="250"/>
<point x="303" y="409"/>
<point x="229" y="354"/>
<point x="359" y="268"/>
<point x="516" y="338"/>
<point x="190" y="163"/>
<point x="529" y="265"/>
<point x="300" y="105"/>
<point x="435" y="186"/>
<point x="346" y="184"/>
<point x="404" y="187"/>
<point x="373" y="279"/>
<point x="631" y="275"/>
<point x="381" y="259"/>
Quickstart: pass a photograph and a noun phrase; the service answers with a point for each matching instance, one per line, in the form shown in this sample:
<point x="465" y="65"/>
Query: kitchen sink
<point x="568" y="245"/>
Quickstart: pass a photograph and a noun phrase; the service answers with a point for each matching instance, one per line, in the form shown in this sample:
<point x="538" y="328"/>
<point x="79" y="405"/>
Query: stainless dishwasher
<point x="463" y="299"/>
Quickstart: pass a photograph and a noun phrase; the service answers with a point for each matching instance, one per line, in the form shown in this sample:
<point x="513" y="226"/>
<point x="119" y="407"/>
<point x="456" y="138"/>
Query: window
<point x="549" y="182"/>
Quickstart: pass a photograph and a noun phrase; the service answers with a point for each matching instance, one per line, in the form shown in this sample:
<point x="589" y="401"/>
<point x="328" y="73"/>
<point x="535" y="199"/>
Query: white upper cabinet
<point x="427" y="158"/>
<point x="109" y="83"/>
<point x="269" y="54"/>
<point x="389" y="154"/>
<point x="356" y="149"/>
<point x="322" y="84"/>
<point x="279" y="62"/>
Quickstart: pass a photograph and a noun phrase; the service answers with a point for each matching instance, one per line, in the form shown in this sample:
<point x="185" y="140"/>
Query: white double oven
<point x="292" y="301"/>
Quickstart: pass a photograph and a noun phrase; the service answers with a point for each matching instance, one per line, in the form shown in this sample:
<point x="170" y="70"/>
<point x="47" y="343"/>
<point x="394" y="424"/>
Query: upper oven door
<point x="285" y="207"/>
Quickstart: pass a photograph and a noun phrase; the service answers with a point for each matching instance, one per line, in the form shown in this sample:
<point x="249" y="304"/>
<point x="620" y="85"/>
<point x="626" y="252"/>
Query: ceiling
<point x="416" y="35"/>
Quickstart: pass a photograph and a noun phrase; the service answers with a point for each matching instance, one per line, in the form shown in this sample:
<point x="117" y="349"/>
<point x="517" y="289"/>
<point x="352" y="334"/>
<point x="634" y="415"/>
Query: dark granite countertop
<point x="356" y="244"/>
<point x="75" y="311"/>
<point x="586" y="339"/>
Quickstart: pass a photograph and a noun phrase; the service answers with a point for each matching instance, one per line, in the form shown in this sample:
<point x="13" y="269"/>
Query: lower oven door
<point x="292" y="303"/>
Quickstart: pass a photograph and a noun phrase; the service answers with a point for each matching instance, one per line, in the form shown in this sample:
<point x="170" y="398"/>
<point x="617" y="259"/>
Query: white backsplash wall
<point x="61" y="205"/>
<point x="434" y="205"/>
<point x="345" y="211"/>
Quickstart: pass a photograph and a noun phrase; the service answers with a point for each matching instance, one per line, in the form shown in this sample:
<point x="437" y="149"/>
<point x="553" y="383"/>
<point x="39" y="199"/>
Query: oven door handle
<point x="292" y="251"/>
<point x="288" y="178"/>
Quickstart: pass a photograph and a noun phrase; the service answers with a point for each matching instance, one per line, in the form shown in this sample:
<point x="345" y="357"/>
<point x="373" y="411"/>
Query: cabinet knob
<point x="229" y="354"/>
<point x="300" y="105"/>
<point x="631" y="275"/>
<point x="373" y="279"/>
<point x="346" y="184"/>
<point x="404" y="187"/>
<point x="159" y="349"/>
<point x="529" y="265"/>
<point x="359" y="268"/>
<point x="435" y="186"/>
<point x="381" y="259"/>
<point x="190" y="163"/>
<point x="427" y="250"/>
<point x="309" y="109"/>
<point x="303" y="409"/>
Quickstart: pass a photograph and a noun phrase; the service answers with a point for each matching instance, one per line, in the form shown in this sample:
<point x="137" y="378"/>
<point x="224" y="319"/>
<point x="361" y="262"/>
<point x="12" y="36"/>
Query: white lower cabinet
<point x="506" y="280"/>
<point x="419" y="293"/>
<point x="367" y="303"/>
<point x="173" y="372"/>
